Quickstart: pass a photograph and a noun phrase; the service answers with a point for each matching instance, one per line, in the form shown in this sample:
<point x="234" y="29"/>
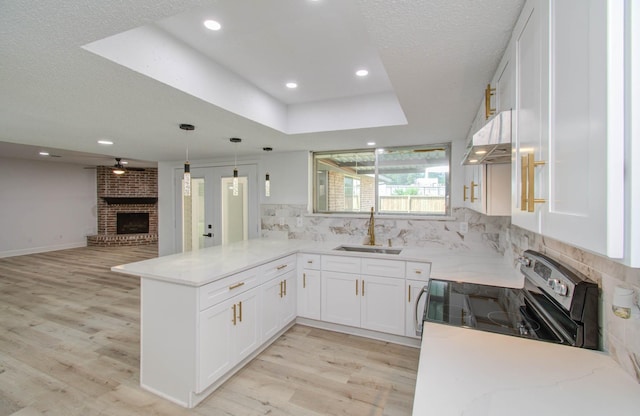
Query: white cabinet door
<point x="246" y="336"/>
<point x="214" y="347"/>
<point x="530" y="116"/>
<point x="309" y="294"/>
<point x="340" y="298"/>
<point x="279" y="304"/>
<point x="382" y="304"/>
<point x="413" y="317"/>
<point x="503" y="82"/>
<point x="585" y="160"/>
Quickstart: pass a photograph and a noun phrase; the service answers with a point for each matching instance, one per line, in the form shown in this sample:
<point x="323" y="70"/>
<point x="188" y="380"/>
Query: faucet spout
<point x="371" y="232"/>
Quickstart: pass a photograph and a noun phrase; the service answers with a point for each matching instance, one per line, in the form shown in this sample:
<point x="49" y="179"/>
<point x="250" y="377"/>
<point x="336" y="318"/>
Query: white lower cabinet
<point x="228" y="332"/>
<point x="369" y="302"/>
<point x="278" y="304"/>
<point x="413" y="317"/>
<point x="309" y="294"/>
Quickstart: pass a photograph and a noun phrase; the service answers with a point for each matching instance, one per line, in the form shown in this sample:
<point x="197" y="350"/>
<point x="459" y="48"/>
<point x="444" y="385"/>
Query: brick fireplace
<point x="127" y="207"/>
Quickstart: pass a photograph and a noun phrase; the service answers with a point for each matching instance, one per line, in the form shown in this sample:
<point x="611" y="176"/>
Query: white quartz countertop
<point x="196" y="268"/>
<point x="475" y="373"/>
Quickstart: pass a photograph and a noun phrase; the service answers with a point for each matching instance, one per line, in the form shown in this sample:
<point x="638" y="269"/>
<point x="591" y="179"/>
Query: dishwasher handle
<point x="418" y="319"/>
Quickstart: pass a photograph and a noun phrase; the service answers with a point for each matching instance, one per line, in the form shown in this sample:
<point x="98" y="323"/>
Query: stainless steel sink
<point x="378" y="250"/>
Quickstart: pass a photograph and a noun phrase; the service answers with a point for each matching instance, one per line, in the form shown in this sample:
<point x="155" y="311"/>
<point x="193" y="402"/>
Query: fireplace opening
<point x="132" y="223"/>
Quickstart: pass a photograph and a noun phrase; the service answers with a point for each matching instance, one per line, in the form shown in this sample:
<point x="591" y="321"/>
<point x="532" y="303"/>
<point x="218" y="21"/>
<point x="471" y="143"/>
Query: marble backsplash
<point x="621" y="337"/>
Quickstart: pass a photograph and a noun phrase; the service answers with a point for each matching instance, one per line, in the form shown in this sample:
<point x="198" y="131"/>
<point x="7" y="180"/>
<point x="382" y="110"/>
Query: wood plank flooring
<point x="69" y="345"/>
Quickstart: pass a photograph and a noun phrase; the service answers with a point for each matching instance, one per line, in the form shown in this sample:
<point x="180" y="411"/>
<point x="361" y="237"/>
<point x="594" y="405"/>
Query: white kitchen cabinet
<point x="568" y="162"/>
<point x="309" y="293"/>
<point x="381" y="305"/>
<point x="413" y="316"/>
<point x="227" y="333"/>
<point x="279" y="303"/>
<point x="487" y="188"/>
<point x="340" y="298"/>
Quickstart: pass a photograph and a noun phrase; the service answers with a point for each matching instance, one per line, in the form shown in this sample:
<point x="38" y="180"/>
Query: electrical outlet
<point x="299" y="222"/>
<point x="464" y="227"/>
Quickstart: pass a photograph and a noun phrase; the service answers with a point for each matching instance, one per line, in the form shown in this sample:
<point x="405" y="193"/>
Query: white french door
<point x="213" y="215"/>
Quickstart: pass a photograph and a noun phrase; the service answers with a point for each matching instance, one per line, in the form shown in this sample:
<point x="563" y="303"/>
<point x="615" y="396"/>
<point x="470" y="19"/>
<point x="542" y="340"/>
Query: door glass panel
<point x="235" y="211"/>
<point x="193" y="216"/>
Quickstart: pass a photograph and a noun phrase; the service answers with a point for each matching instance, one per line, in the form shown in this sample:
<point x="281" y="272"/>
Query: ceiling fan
<point x="119" y="168"/>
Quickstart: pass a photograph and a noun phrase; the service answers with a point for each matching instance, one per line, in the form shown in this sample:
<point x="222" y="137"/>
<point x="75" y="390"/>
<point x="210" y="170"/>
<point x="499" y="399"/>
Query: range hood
<point x="492" y="143"/>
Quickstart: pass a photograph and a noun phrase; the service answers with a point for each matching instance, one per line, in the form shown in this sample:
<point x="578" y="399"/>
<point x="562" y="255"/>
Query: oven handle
<point x="418" y="325"/>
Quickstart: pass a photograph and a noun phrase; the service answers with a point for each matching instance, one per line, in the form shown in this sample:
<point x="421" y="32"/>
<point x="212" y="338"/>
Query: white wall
<point x="289" y="175"/>
<point x="45" y="206"/>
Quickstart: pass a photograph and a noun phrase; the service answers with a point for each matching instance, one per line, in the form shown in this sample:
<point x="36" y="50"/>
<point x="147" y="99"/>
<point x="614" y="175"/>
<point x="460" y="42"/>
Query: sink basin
<point x="378" y="250"/>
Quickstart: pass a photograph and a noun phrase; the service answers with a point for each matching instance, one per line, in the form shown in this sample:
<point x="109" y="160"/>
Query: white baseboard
<point x="43" y="249"/>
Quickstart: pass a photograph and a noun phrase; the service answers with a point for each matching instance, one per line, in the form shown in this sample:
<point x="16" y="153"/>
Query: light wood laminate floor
<point x="69" y="345"/>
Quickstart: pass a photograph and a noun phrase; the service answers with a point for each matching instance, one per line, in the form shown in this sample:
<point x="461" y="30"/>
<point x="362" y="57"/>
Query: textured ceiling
<point x="438" y="56"/>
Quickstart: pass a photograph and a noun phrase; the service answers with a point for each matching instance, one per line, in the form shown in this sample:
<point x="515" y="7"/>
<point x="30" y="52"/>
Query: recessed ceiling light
<point x="371" y="143"/>
<point x="292" y="85"/>
<point x="362" y="72"/>
<point x="124" y="162"/>
<point x="44" y="153"/>
<point x="105" y="142"/>
<point x="480" y="152"/>
<point x="473" y="160"/>
<point x="212" y="25"/>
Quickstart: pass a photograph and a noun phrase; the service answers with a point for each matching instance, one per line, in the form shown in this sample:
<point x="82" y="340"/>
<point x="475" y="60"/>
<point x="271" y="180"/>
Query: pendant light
<point x="186" y="178"/>
<point x="267" y="181"/>
<point x="235" y="188"/>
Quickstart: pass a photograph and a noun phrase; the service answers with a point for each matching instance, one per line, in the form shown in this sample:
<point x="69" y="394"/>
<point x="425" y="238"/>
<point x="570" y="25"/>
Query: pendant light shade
<point x="186" y="178"/>
<point x="267" y="186"/>
<point x="235" y="187"/>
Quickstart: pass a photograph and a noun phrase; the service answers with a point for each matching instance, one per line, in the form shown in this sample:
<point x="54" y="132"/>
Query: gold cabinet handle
<point x="237" y="285"/>
<point x="464" y="192"/>
<point x="356" y="287"/>
<point x="488" y="93"/>
<point x="285" y="287"/>
<point x="473" y="194"/>
<point x="417" y="271"/>
<point x="524" y="169"/>
<point x="531" y="171"/>
<point x="362" y="287"/>
<point x="240" y="311"/>
<point x="234" y="314"/>
<point x="409" y="290"/>
<point x="281" y="289"/>
<point x="309" y="261"/>
<point x="304" y="280"/>
<point x="281" y="266"/>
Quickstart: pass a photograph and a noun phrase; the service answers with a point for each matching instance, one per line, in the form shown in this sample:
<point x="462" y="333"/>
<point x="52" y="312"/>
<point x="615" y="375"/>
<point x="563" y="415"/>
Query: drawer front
<point x="341" y="264"/>
<point x="418" y="271"/>
<point x="385" y="268"/>
<point x="309" y="261"/>
<point x="278" y="267"/>
<point x="216" y="292"/>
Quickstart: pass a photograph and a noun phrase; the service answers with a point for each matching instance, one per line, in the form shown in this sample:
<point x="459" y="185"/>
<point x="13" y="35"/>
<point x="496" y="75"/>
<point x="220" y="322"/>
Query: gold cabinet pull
<point x="409" y="290"/>
<point x="281" y="289"/>
<point x="285" y="287"/>
<point x="473" y="193"/>
<point x="356" y="287"/>
<point x="362" y="287"/>
<point x="282" y="266"/>
<point x="531" y="167"/>
<point x="237" y="285"/>
<point x="464" y="192"/>
<point x="488" y="93"/>
<point x="417" y="271"/>
<point x="309" y="261"/>
<point x="234" y="314"/>
<point x="240" y="311"/>
<point x="304" y="280"/>
<point x="524" y="169"/>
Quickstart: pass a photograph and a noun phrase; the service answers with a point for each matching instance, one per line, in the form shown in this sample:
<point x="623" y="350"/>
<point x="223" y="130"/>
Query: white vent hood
<point x="492" y="143"/>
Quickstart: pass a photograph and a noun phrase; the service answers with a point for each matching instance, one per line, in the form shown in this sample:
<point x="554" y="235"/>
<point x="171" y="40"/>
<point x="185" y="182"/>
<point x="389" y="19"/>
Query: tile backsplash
<point x="621" y="337"/>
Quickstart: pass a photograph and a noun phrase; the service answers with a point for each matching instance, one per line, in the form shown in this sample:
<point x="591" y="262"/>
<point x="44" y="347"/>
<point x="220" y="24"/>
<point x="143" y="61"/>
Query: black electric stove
<point x="556" y="304"/>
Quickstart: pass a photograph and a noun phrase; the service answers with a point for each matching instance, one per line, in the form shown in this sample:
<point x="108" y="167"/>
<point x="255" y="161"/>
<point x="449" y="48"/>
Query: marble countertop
<point x="468" y="372"/>
<point x="197" y="268"/>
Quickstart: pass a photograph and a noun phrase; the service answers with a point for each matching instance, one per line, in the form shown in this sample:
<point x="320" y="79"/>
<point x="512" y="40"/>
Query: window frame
<point x="376" y="151"/>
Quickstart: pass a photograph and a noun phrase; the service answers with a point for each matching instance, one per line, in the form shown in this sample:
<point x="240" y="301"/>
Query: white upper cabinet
<point x="568" y="140"/>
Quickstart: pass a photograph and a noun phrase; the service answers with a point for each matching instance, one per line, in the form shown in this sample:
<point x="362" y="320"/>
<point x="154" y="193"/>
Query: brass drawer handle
<point x="234" y="313"/>
<point x="309" y="261"/>
<point x="237" y="285"/>
<point x="281" y="267"/>
<point x="417" y="271"/>
<point x="304" y="280"/>
<point x="240" y="311"/>
<point x="473" y="196"/>
<point x="464" y="192"/>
